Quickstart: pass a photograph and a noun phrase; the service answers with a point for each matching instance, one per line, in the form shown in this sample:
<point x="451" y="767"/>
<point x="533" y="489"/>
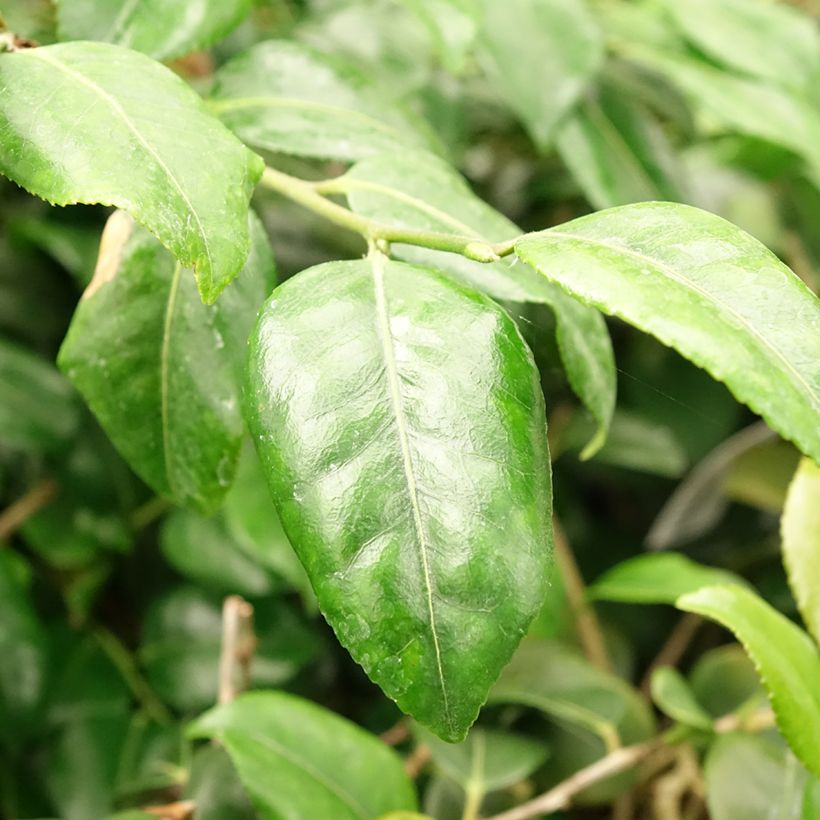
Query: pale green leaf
<point x="786" y="659"/>
<point x="419" y="191"/>
<point x="79" y="122"/>
<point x="142" y="332"/>
<point x="658" y="578"/>
<point x="541" y="55"/>
<point x="674" y="696"/>
<point x="38" y="408"/>
<point x="800" y="532"/>
<point x="416" y="496"/>
<point x="753" y="778"/>
<point x="705" y="288"/>
<point x="724" y="680"/>
<point x="454" y="26"/>
<point x="487" y="760"/>
<point x="738" y="33"/>
<point x="159" y="28"/>
<point x="297" y="759"/>
<point x="283" y="96"/>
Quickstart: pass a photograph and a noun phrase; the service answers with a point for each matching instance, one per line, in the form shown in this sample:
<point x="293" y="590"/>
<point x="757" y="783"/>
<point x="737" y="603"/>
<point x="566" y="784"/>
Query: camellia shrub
<point x="378" y="378"/>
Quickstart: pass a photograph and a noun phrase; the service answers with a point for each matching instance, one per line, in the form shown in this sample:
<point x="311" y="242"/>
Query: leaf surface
<point x="97" y="123"/>
<point x="786" y="659"/>
<point x="800" y="533"/>
<point x="297" y="759"/>
<point x="160" y="370"/>
<point x="415" y="492"/>
<point x="283" y="96"/>
<point x="706" y="288"/>
<point x="419" y="191"/>
<point x="159" y="28"/>
<point x="674" y="696"/>
<point x="540" y="54"/>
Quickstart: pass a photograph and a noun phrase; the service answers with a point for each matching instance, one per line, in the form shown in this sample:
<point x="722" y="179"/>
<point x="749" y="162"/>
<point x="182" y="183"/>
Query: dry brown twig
<point x="238" y="647"/>
<point x="16" y="514"/>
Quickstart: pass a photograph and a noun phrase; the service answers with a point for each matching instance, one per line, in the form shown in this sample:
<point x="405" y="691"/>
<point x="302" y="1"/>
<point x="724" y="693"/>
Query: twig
<point x="396" y="734"/>
<point x="182" y="810"/>
<point x="674" y="648"/>
<point x="671" y="789"/>
<point x="586" y="622"/>
<point x="238" y="647"/>
<point x="16" y="514"/>
<point x="560" y="797"/>
<point x="416" y="761"/>
<point x="755" y="722"/>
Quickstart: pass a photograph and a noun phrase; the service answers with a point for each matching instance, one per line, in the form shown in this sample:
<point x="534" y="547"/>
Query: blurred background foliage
<point x="110" y="600"/>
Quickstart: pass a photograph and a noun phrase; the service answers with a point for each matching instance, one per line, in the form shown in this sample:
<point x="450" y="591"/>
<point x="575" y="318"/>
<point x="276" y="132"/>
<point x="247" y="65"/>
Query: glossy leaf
<point x="297" y="759"/>
<point x="203" y="551"/>
<point x="705" y="288"/>
<point x="487" y="760"/>
<point x="557" y="680"/>
<point x="656" y="579"/>
<point x="283" y="96"/>
<point x="38" y="408"/>
<point x="786" y="659"/>
<point x="737" y="32"/>
<point x="752" y="777"/>
<point x="78" y="123"/>
<point x="800" y="532"/>
<point x="416" y="190"/>
<point x="159" y="28"/>
<point x="416" y="496"/>
<point x="557" y="41"/>
<point x="142" y="332"/>
<point x="673" y="695"/>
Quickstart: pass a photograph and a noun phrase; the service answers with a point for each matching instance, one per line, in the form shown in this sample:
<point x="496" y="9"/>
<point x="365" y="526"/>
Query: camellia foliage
<point x="408" y="363"/>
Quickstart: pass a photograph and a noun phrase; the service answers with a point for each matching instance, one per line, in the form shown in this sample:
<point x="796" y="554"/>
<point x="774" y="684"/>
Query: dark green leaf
<point x="161" y="30"/>
<point x="38" y="408"/>
<point x="78" y="123"/>
<point x="215" y="788"/>
<point x="416" y="190"/>
<point x="724" y="680"/>
<point x="674" y="697"/>
<point x="660" y="578"/>
<point x="705" y="288"/>
<point x="141" y="332"/>
<point x="297" y="759"/>
<point x="800" y="531"/>
<point x="786" y="659"/>
<point x="283" y="96"/>
<point x="416" y="496"/>
<point x="541" y="54"/>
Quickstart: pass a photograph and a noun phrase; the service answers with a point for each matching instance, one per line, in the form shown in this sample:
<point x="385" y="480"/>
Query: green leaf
<point x="751" y="777"/>
<point x="674" y="697"/>
<point x="737" y="32"/>
<point x="540" y="54"/>
<point x="78" y="123"/>
<point x="141" y="331"/>
<point x="800" y="533"/>
<point x="203" y="551"/>
<point x="419" y="191"/>
<point x="659" y="578"/>
<point x="559" y="681"/>
<point x="737" y="103"/>
<point x="617" y="152"/>
<point x="170" y="28"/>
<point x="724" y="680"/>
<point x="454" y="26"/>
<point x="297" y="759"/>
<point x="38" y="408"/>
<point x="487" y="760"/>
<point x="283" y="96"/>
<point x="416" y="496"/>
<point x="215" y="788"/>
<point x="786" y="659"/>
<point x="705" y="288"/>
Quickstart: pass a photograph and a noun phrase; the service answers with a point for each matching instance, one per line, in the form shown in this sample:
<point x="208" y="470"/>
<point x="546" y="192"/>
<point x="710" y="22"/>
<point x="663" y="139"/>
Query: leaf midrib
<point x="165" y="378"/>
<point x="814" y="400"/>
<point x="391" y="368"/>
<point x="115" y="105"/>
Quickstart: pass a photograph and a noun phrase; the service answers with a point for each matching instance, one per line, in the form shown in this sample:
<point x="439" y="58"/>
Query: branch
<point x="674" y="648"/>
<point x="560" y="797"/>
<point x="308" y="194"/>
<point x="238" y="647"/>
<point x="586" y="621"/>
<point x="16" y="514"/>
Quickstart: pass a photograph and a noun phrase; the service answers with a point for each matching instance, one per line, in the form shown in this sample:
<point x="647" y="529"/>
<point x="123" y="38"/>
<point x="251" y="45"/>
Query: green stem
<point x="308" y="195"/>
